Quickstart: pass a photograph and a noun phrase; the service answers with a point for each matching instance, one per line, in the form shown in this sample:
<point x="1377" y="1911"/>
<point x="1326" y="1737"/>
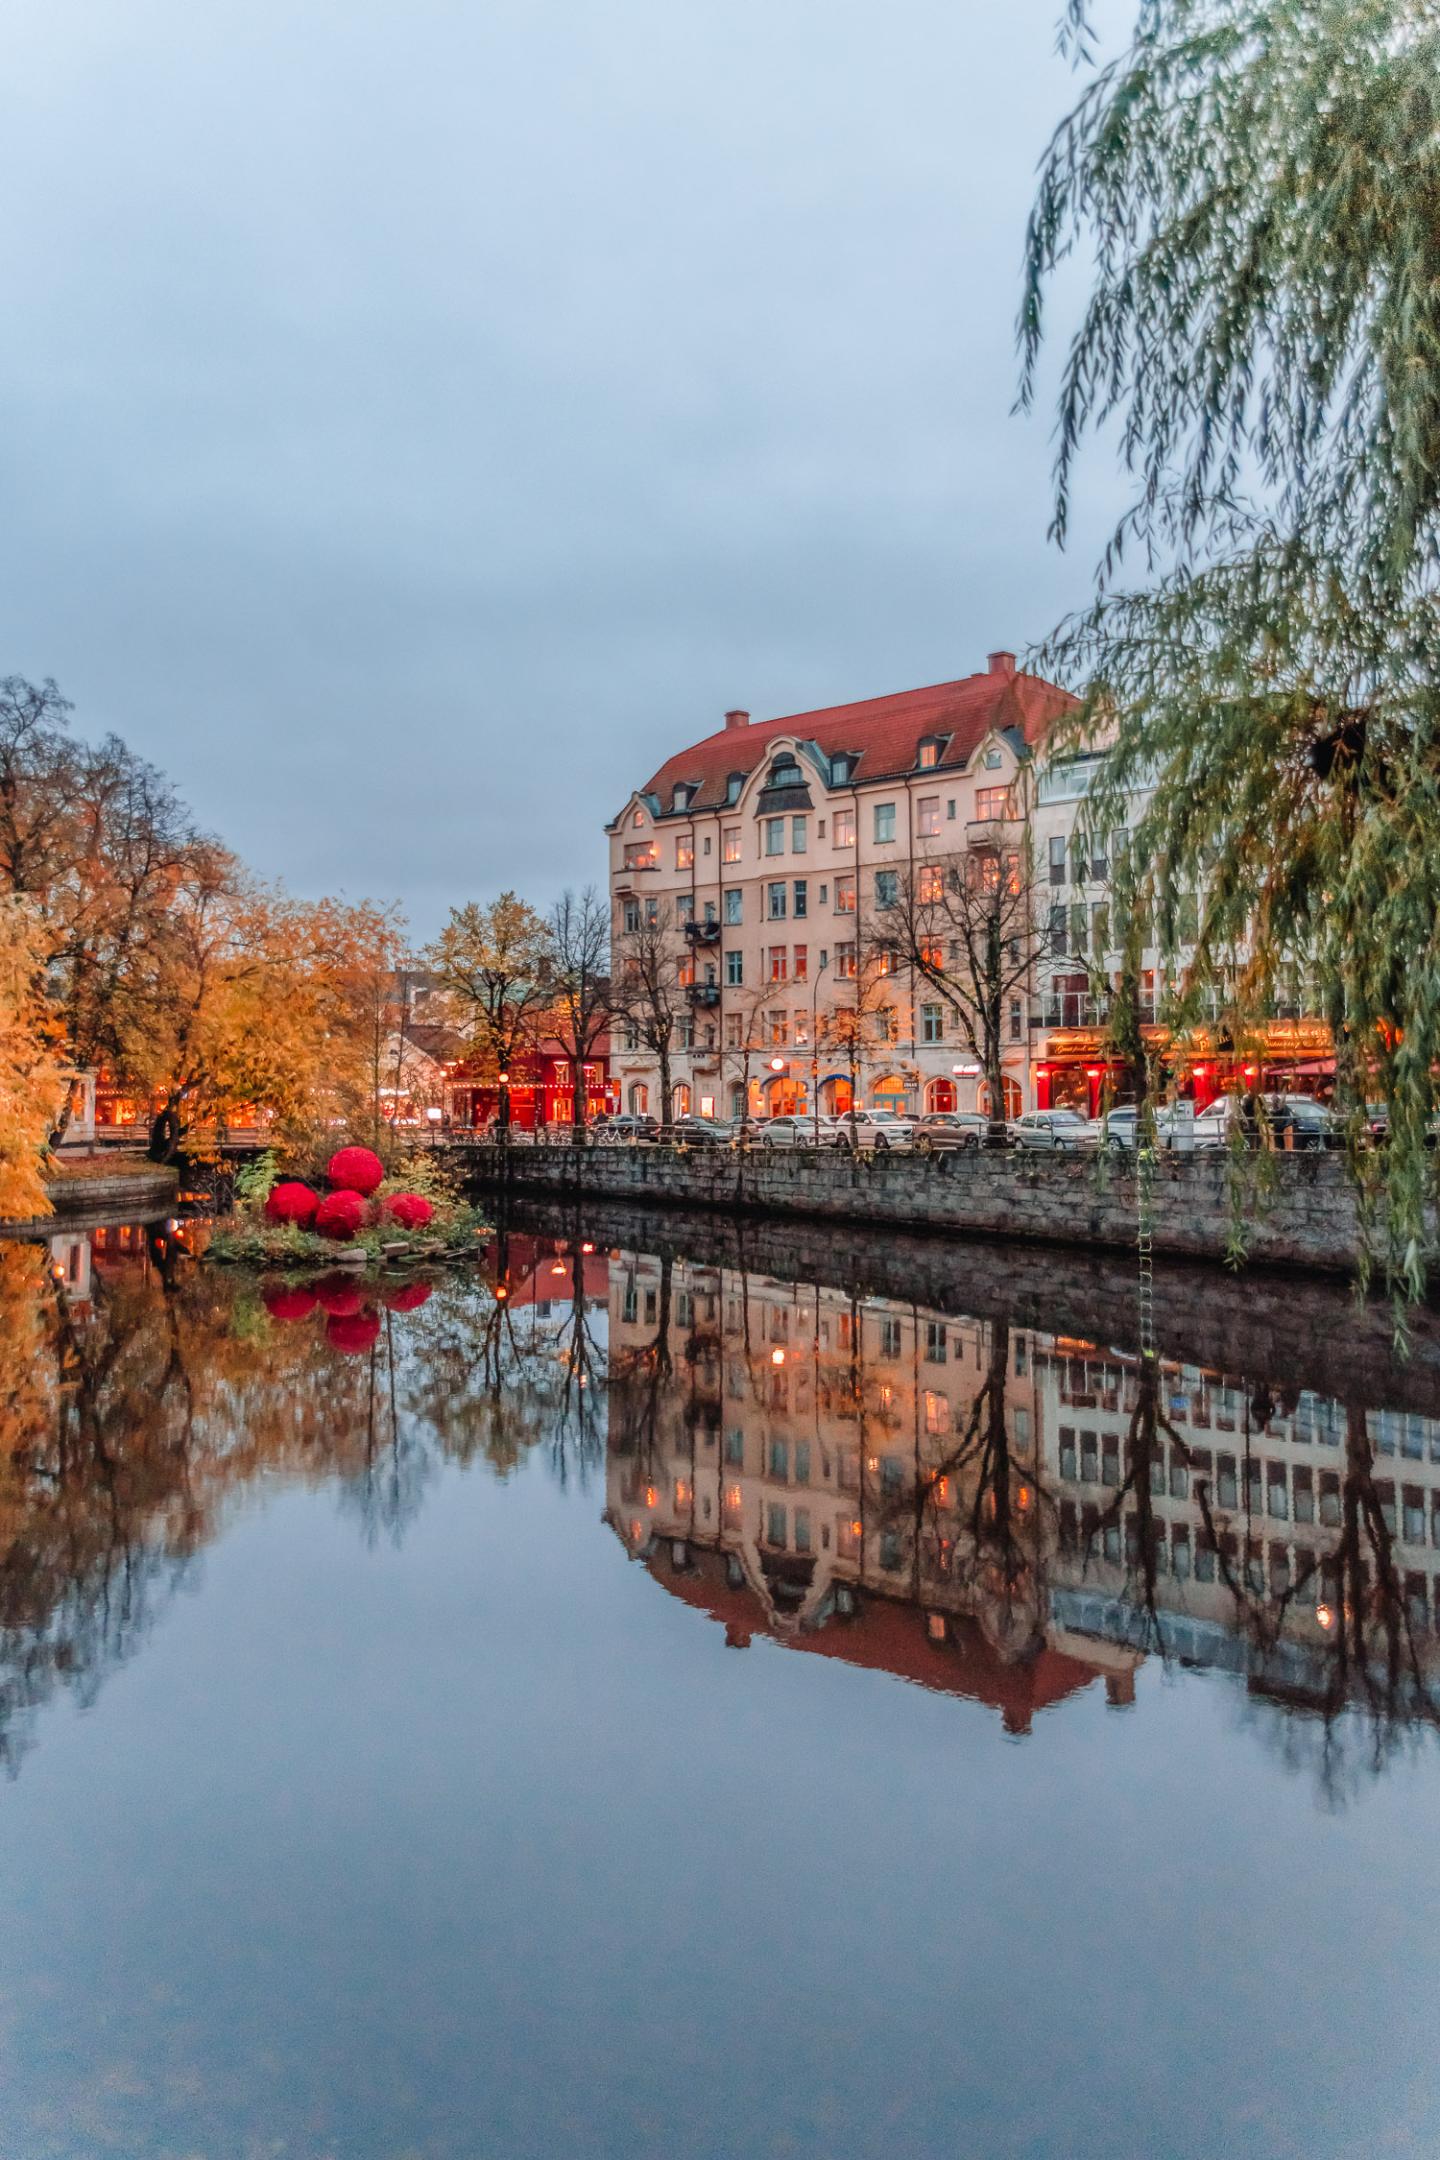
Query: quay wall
<point x="135" y="1193"/>
<point x="1305" y="1218"/>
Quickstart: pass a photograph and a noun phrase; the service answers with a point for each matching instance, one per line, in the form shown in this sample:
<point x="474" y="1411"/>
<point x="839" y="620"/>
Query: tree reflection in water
<point x="980" y="1507"/>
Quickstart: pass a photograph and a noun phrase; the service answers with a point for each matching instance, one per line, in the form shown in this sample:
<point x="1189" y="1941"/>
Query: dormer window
<point x="638" y="819"/>
<point x="840" y="770"/>
<point x="733" y="786"/>
<point x="680" y="800"/>
<point x="992" y="758"/>
<point x="784" y="773"/>
<point x="929" y="754"/>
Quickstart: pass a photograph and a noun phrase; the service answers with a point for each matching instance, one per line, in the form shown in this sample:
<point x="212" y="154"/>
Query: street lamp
<point x="815" y="1045"/>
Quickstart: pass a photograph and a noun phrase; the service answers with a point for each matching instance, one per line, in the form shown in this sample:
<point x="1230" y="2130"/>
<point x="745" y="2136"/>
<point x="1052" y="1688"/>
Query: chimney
<point x="737" y="719"/>
<point x="1002" y="663"/>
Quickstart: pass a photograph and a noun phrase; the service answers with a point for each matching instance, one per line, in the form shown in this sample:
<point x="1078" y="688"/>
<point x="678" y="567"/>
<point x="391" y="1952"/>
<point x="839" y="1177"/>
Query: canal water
<point x="668" y="1695"/>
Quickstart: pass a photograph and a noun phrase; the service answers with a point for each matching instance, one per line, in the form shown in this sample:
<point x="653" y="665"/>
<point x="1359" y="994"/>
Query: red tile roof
<point x="883" y="733"/>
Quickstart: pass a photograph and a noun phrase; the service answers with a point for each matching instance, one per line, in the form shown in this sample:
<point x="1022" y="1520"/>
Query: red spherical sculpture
<point x="355" y="1169"/>
<point x="409" y="1298"/>
<point x="340" y="1215"/>
<point x="353" y="1332"/>
<point x="338" y="1295"/>
<point x="410" y="1209"/>
<point x="288" y="1301"/>
<point x="291" y="1202"/>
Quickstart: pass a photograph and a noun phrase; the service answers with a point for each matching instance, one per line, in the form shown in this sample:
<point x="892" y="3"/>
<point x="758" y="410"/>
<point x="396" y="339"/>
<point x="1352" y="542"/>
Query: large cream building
<point x="780" y="842"/>
<point x="772" y="850"/>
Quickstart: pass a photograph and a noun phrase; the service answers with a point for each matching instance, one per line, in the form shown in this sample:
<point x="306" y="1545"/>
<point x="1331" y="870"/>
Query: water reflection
<point x="1015" y="1515"/>
<point x="976" y="1506"/>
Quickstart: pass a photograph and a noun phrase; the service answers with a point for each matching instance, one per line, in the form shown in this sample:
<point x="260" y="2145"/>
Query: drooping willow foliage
<point x="1257" y="184"/>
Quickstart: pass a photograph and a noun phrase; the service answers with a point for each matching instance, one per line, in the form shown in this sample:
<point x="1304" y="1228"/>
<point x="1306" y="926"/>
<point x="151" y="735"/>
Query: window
<point x="685" y="1032"/>
<point x="845" y="894"/>
<point x="797" y="835"/>
<point x="685" y="907"/>
<point x="733" y="786"/>
<point x="641" y="855"/>
<point x="843" y="828"/>
<point x="887" y="959"/>
<point x="802" y="1529"/>
<point x="779" y="959"/>
<point x="1099" y="928"/>
<point x="994" y="802"/>
<point x="779" y="1028"/>
<point x="638" y="819"/>
<point x="1059" y="919"/>
<point x="631" y="916"/>
<point x="992" y="759"/>
<point x="632" y="1035"/>
<point x="839" y="771"/>
<point x="735" y="905"/>
<point x="937" y="1412"/>
<point x="802" y="897"/>
<point x="950" y="808"/>
<point x="845" y="962"/>
<point x="927" y="814"/>
<point x="802" y="1025"/>
<point x="734" y="969"/>
<point x="884" y="821"/>
<point x="1016" y="1020"/>
<point x="1078" y="927"/>
<point x="732" y="1031"/>
<point x="929" y="755"/>
<point x="685" y="853"/>
<point x="932" y="953"/>
<point x="730" y="844"/>
<point x="775" y="898"/>
<point x="930" y="885"/>
<point x="802" y="963"/>
<point x="774" y="836"/>
<point x="935" y="1342"/>
<point x="887" y="888"/>
<point x="932" y="1023"/>
<point x="1057" y="858"/>
<point x="774" y="1525"/>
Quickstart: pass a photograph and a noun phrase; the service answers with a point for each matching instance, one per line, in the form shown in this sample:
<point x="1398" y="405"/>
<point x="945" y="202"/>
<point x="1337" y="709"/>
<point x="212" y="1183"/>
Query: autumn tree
<point x="497" y="963"/>
<point x="654" y="967"/>
<point x="582" y="1000"/>
<point x="971" y="926"/>
<point x="32" y="1087"/>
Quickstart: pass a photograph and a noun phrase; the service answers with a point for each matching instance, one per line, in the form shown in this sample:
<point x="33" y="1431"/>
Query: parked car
<point x="938" y="1130"/>
<point x="803" y="1130"/>
<point x="1055" y="1130"/>
<point x="692" y="1131"/>
<point x="1299" y="1121"/>
<point x="624" y="1131"/>
<point x="1118" y="1127"/>
<point x="877" y="1129"/>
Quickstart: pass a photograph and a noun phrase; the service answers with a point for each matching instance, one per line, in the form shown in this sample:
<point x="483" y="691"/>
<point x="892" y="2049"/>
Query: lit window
<point x="802" y="1026"/>
<point x="937" y="1412"/>
<point x="927" y="816"/>
<point x="638" y="819"/>
<point x="845" y="962"/>
<point x="779" y="1028"/>
<point x="685" y="854"/>
<point x="845" y="895"/>
<point x="843" y="828"/>
<point x="994" y="802"/>
<point x="884" y="821"/>
<point x="730" y="843"/>
<point x="929" y="755"/>
<point x="779" y="963"/>
<point x="802" y="963"/>
<point x="930" y="885"/>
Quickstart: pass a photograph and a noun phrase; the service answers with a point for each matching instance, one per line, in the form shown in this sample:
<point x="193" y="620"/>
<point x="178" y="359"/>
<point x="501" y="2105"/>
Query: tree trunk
<point x="577" y="1101"/>
<point x="663" y="1053"/>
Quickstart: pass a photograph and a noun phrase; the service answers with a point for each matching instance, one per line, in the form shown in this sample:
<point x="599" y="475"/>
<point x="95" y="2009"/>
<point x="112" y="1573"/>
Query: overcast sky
<point x="421" y="416"/>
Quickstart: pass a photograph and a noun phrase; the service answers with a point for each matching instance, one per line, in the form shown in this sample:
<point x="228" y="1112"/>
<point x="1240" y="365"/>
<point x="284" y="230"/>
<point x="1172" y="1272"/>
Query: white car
<point x="877" y="1129"/>
<point x="802" y="1131"/>
<point x="1054" y="1130"/>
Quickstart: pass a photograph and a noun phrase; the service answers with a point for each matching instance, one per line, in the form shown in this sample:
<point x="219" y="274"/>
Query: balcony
<point x="703" y="933"/>
<point x="641" y="859"/>
<point x="704" y="994"/>
<point x="991" y="836"/>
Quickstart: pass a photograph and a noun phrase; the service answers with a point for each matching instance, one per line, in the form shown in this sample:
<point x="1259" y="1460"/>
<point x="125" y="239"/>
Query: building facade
<point x="769" y="853"/>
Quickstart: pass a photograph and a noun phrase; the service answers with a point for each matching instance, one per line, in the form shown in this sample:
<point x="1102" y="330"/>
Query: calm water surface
<point x="655" y="1703"/>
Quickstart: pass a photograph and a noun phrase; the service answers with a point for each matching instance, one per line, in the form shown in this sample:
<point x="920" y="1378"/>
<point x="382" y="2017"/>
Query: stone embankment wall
<point x="137" y="1193"/>
<point x="1306" y="1219"/>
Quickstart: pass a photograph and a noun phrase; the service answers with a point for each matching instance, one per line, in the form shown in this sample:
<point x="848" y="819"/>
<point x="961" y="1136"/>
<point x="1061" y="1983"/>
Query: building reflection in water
<point x="1012" y="1515"/>
<point x="979" y="1508"/>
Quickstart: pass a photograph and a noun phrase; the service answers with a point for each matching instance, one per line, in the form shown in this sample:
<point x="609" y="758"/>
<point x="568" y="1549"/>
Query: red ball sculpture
<point x="353" y="1332"/>
<point x="355" y="1169"/>
<point x="291" y="1202"/>
<point x="409" y="1298"/>
<point x="287" y="1301"/>
<point x="340" y="1215"/>
<point x="338" y="1295"/>
<point x="410" y="1209"/>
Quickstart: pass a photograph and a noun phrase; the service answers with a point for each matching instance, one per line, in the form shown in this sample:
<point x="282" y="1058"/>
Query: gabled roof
<point x="884" y="734"/>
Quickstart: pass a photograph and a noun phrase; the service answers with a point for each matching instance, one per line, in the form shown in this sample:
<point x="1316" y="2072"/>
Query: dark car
<point x="624" y="1131"/>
